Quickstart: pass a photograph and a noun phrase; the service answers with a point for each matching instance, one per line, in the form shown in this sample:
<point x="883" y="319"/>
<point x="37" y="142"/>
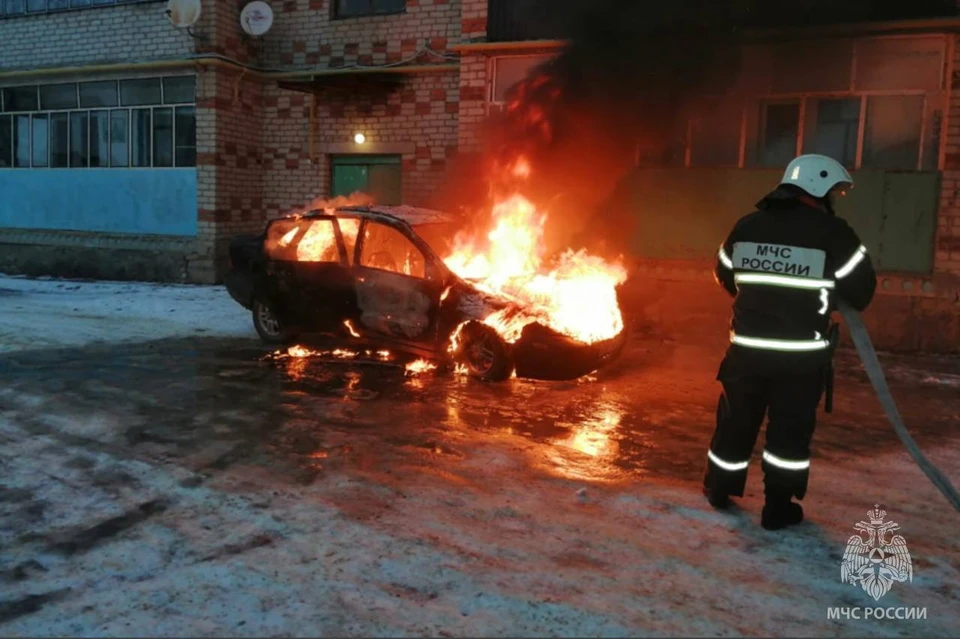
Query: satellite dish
<point x="183" y="13"/>
<point x="256" y="18"/>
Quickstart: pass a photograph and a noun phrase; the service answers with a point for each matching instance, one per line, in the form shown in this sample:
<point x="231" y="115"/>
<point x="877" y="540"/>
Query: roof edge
<point x="887" y="27"/>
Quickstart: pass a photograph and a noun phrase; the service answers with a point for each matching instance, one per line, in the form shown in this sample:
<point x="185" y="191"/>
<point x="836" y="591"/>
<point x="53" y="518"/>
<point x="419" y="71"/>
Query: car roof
<point x="412" y="215"/>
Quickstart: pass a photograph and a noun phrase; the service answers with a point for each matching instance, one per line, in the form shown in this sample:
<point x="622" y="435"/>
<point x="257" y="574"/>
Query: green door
<point x="376" y="175"/>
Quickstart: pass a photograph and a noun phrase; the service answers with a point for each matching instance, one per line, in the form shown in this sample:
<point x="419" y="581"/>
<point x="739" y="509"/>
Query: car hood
<point x="473" y="303"/>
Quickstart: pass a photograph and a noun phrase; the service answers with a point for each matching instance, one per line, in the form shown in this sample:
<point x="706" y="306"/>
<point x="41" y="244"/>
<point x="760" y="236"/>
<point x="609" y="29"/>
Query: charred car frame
<point x="369" y="278"/>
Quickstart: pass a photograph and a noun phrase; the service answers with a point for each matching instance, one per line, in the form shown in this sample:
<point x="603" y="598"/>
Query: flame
<point x="350" y="328"/>
<point x="455" y="339"/>
<point x="286" y="239"/>
<point x="420" y="366"/>
<point x="575" y="296"/>
<point x="319" y="243"/>
<point x="521" y="168"/>
<point x="299" y="351"/>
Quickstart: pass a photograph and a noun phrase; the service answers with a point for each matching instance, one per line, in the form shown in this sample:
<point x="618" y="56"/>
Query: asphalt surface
<point x="107" y="449"/>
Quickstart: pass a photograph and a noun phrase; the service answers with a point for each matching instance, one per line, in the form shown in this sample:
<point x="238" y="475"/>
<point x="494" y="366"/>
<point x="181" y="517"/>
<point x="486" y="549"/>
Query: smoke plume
<point x="622" y="89"/>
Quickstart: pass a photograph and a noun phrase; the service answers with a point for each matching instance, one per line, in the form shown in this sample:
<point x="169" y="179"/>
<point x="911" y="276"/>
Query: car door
<point x="398" y="290"/>
<point x="308" y="275"/>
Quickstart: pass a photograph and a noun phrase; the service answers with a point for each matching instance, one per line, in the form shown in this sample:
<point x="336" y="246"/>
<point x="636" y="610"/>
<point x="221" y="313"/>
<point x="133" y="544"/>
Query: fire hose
<point x="861" y="340"/>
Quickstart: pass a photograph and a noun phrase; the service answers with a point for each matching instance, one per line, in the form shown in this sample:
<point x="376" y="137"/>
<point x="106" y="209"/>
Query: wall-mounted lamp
<point x="360" y="138"/>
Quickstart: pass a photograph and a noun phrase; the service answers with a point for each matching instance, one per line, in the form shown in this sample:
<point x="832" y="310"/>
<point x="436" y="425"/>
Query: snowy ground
<point x="188" y="487"/>
<point x="47" y="313"/>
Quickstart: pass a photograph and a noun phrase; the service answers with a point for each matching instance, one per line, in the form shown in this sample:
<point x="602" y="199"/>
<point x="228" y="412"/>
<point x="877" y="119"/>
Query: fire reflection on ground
<point x="579" y="441"/>
<point x="590" y="451"/>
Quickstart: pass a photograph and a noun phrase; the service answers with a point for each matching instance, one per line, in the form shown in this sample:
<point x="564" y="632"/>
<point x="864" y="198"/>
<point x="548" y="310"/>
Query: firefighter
<point x="786" y="265"/>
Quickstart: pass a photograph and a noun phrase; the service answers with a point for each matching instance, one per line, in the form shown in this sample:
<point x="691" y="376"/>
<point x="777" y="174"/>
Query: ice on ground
<point x="160" y="492"/>
<point x="48" y="313"/>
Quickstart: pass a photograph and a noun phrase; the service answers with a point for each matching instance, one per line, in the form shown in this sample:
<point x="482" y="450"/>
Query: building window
<point x="59" y="140"/>
<point x="357" y="8"/>
<point x="898" y="132"/>
<point x="40" y="136"/>
<point x="509" y="71"/>
<point x="779" y="127"/>
<point x="139" y="123"/>
<point x="832" y="128"/>
<point x="879" y="105"/>
<point x="715" y="135"/>
<point x="893" y="130"/>
<point x="21" y="141"/>
<point x="13" y="8"/>
<point x="6" y="141"/>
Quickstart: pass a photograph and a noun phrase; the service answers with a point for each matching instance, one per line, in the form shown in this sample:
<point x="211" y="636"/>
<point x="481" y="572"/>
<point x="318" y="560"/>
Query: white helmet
<point x="816" y="174"/>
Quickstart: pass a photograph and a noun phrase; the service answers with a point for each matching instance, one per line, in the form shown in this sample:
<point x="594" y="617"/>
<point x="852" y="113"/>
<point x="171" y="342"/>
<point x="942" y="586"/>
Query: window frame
<point x="89" y="111"/>
<point x="361" y="246"/>
<point x="493" y="70"/>
<point x="335" y="14"/>
<point x="934" y="100"/>
<point x="929" y="100"/>
<point x="96" y="4"/>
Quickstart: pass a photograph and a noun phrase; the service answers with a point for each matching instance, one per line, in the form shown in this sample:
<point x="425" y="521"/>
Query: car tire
<point x="267" y="325"/>
<point x="484" y="353"/>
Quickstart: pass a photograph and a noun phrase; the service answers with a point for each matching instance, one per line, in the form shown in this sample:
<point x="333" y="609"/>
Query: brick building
<point x="183" y="138"/>
<point x="131" y="148"/>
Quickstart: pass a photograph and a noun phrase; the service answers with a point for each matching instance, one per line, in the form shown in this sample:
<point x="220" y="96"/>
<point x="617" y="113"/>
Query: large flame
<point x="575" y="295"/>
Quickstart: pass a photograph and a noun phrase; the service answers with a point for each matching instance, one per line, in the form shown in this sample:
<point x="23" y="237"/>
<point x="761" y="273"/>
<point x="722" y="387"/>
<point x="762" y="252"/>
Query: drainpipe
<point x="311" y="135"/>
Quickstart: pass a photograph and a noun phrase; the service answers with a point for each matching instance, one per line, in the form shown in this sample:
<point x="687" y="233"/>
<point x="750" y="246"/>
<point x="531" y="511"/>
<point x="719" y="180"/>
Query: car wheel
<point x="484" y="353"/>
<point x="267" y="325"/>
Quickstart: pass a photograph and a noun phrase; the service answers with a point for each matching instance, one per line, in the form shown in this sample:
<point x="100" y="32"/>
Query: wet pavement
<point x="209" y="450"/>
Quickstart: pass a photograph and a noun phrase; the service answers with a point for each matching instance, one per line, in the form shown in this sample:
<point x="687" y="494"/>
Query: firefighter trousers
<point x="790" y="403"/>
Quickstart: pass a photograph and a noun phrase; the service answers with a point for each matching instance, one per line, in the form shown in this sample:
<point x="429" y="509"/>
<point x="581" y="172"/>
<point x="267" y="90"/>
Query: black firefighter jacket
<point x="787" y="264"/>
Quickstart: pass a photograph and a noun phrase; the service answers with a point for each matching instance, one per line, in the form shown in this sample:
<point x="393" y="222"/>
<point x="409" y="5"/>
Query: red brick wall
<point x="305" y="34"/>
<point x="474" y="95"/>
<point x="419" y="119"/>
<point x="473" y="21"/>
<point x="255" y="156"/>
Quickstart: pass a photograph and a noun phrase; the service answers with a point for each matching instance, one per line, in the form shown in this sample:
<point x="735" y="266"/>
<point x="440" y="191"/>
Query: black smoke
<point x="621" y="86"/>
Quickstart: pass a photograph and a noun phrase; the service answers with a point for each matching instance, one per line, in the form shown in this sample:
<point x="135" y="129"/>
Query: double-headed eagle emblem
<point x="875" y="561"/>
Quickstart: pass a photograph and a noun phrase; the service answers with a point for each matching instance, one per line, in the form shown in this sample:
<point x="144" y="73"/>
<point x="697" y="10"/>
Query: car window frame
<point x="341" y="245"/>
<point x="407" y="232"/>
<point x="354" y="258"/>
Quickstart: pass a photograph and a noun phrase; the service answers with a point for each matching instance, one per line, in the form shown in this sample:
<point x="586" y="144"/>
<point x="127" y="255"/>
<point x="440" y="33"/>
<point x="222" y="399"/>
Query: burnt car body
<point x="367" y="276"/>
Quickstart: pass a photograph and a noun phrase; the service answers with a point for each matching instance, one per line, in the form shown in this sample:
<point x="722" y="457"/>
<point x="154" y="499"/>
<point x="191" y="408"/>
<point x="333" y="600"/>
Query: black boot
<point x="779" y="511"/>
<point x="717" y="499"/>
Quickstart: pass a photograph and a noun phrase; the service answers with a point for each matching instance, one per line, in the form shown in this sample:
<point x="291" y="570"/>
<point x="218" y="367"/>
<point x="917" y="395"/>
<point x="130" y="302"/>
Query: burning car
<point x="372" y="278"/>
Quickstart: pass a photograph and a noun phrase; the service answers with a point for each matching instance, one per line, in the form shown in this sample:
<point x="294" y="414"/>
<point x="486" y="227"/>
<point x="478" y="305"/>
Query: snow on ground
<point x="197" y="493"/>
<point x="44" y="313"/>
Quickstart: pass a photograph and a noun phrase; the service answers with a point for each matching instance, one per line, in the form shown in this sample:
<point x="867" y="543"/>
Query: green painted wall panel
<point x="349" y="179"/>
<point x="684" y="214"/>
<point x="909" y="222"/>
<point x="379" y="176"/>
<point x="863" y="209"/>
